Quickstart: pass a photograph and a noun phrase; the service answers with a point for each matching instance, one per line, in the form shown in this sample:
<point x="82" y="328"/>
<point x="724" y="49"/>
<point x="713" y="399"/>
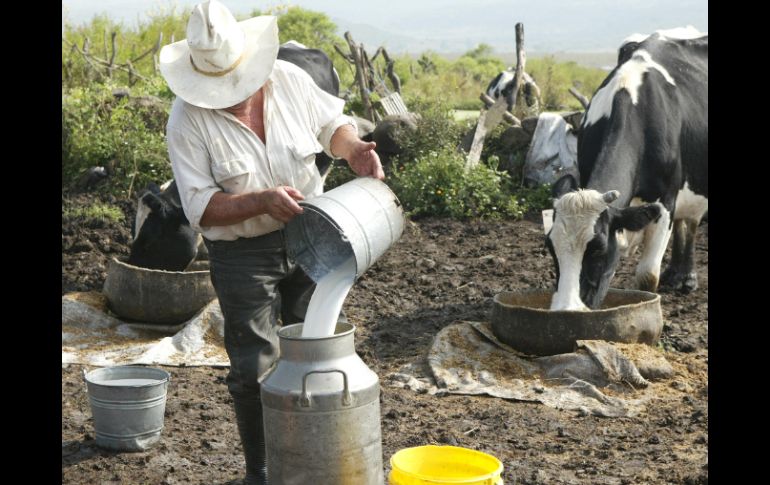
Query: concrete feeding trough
<point x="156" y="296"/>
<point x="524" y="321"/>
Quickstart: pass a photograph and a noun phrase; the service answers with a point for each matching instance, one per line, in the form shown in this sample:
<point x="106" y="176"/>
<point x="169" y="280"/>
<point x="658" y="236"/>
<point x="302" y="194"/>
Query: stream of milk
<point x="326" y="302"/>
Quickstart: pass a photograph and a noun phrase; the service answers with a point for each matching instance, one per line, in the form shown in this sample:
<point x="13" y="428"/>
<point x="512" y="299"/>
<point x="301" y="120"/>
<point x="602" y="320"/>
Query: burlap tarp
<point x="600" y="378"/>
<point x="91" y="335"/>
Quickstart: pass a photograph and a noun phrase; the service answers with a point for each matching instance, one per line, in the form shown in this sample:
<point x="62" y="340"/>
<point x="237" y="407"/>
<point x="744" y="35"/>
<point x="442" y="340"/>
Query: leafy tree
<point x="481" y="51"/>
<point x="312" y="29"/>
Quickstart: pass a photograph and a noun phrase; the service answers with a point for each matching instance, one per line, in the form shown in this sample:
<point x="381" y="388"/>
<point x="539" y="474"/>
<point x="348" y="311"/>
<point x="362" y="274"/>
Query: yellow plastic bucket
<point x="433" y="464"/>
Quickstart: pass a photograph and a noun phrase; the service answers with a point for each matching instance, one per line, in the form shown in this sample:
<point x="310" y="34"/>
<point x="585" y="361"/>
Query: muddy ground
<point x="439" y="272"/>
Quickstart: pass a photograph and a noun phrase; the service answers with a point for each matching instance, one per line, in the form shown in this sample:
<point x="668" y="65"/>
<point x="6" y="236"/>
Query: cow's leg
<point x="680" y="274"/>
<point x="656" y="236"/>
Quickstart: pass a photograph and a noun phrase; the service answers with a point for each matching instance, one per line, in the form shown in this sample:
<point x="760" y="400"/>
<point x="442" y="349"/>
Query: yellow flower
<point x="439" y="192"/>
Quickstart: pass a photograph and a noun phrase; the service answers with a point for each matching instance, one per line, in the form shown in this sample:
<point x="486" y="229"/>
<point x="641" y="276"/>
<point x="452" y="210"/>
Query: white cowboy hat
<point x="222" y="62"/>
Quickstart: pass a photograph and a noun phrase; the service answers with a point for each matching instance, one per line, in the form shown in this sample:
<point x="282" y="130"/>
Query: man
<point x="242" y="137"/>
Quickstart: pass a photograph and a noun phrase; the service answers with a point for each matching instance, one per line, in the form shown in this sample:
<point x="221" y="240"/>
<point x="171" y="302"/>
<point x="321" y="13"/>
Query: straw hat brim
<point x="216" y="92"/>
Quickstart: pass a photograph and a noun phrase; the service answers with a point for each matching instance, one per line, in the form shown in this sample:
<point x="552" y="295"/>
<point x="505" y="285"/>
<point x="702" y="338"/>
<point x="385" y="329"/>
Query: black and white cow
<point x="502" y="86"/>
<point x="163" y="238"/>
<point x="643" y="164"/>
<point x="552" y="152"/>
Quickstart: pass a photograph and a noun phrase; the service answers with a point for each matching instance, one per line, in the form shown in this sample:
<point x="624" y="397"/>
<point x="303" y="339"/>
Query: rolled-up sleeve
<point x="327" y="131"/>
<point x="190" y="164"/>
<point x="326" y="113"/>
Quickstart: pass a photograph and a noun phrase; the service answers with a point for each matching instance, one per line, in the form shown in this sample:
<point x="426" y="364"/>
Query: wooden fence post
<point x="521" y="60"/>
<point x="355" y="51"/>
<point x="112" y="56"/>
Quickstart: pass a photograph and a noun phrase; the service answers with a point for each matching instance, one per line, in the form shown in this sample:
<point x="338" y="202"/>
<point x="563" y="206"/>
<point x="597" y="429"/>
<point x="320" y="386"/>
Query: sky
<point x="457" y="25"/>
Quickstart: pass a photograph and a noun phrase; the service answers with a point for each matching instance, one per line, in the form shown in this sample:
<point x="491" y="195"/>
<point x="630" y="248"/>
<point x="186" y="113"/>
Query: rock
<point x="426" y="263"/>
<point x="529" y="125"/>
<point x="121" y="93"/>
<point x="515" y="138"/>
<point x="365" y="127"/>
<point x="390" y="133"/>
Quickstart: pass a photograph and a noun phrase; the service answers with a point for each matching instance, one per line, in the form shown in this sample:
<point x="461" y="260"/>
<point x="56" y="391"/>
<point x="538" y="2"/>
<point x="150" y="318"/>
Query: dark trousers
<point x="256" y="284"/>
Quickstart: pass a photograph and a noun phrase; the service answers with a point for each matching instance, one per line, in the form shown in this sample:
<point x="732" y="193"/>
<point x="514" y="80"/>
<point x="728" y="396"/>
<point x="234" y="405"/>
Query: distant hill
<point x="587" y="29"/>
<point x="373" y="37"/>
<point x="596" y="27"/>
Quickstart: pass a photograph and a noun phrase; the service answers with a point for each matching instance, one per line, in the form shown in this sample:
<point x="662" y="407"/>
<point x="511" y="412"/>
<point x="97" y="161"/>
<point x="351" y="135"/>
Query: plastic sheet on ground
<point x="92" y="336"/>
<point x="599" y="378"/>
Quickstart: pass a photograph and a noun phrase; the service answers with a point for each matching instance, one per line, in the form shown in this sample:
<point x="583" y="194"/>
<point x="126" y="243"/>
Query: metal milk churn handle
<point x="304" y="399"/>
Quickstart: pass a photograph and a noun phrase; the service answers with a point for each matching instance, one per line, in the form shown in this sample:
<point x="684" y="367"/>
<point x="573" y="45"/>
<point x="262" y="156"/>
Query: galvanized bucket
<point x="361" y="219"/>
<point x="127" y="404"/>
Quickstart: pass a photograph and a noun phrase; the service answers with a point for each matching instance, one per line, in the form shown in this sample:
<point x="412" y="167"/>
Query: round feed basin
<point x="524" y="321"/>
<point x="156" y="296"/>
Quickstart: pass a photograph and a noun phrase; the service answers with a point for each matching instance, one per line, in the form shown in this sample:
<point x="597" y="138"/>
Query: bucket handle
<point x="304" y="400"/>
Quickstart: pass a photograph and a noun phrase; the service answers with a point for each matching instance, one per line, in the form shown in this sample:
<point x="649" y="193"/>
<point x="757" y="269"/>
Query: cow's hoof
<point x="679" y="281"/>
<point x="647" y="282"/>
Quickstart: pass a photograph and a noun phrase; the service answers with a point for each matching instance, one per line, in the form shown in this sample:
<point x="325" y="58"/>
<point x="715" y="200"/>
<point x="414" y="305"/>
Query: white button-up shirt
<point x="211" y="150"/>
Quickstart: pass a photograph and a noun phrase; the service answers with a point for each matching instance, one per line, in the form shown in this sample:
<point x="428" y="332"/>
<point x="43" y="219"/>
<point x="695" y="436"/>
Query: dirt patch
<point x="441" y="271"/>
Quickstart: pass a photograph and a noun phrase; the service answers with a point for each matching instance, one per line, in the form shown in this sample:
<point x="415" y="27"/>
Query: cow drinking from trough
<point x="163" y="238"/>
<point x="643" y="163"/>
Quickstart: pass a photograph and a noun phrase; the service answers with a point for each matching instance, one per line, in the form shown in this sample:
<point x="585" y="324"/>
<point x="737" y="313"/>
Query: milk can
<point x="321" y="411"/>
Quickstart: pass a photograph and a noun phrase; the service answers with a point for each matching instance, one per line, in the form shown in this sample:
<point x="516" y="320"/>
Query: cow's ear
<point x="635" y="218"/>
<point x="152" y="188"/>
<point x="574" y="120"/>
<point x="153" y="202"/>
<point x="568" y="183"/>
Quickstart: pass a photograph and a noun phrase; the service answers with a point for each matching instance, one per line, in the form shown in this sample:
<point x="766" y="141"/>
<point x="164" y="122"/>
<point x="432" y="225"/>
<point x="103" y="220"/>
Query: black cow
<point x="163" y="238"/>
<point x="643" y="161"/>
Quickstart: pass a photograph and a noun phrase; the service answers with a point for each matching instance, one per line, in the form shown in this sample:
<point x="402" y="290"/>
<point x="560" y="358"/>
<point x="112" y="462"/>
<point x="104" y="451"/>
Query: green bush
<point x="535" y="199"/>
<point x="127" y="138"/>
<point x="95" y="212"/>
<point x="437" y="184"/>
<point x="436" y="131"/>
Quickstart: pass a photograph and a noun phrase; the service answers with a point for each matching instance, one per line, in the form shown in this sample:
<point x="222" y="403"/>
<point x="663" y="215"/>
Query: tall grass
<point x="555" y="78"/>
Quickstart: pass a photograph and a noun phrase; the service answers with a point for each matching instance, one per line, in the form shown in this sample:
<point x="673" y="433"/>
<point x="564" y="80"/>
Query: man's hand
<point x="281" y="202"/>
<point x="360" y="155"/>
<point x="364" y="160"/>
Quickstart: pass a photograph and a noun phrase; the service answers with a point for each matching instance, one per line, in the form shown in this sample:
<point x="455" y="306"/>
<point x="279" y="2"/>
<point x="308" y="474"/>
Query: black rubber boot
<point x="248" y="415"/>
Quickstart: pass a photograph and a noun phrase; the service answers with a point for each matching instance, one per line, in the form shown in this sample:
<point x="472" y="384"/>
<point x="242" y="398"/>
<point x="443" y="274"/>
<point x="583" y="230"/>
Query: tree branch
<point x="583" y="100"/>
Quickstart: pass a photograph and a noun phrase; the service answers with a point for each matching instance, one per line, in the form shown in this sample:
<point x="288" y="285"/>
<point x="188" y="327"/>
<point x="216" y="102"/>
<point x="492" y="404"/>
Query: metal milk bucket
<point x="321" y="411"/>
<point x="361" y="218"/>
<point x="127" y="404"/>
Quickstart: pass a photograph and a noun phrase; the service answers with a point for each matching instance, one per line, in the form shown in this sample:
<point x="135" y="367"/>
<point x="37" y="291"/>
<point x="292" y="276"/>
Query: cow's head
<point x="583" y="242"/>
<point x="552" y="152"/>
<point x="164" y="240"/>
